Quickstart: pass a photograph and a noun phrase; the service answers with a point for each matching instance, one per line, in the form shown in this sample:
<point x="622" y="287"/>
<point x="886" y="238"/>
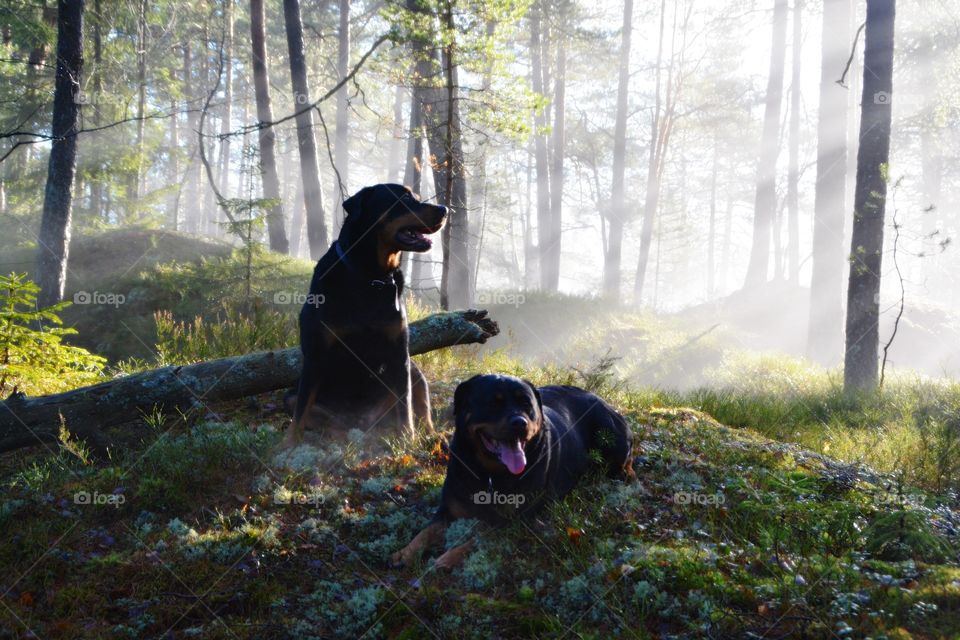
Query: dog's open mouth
<point x="509" y="452"/>
<point x="415" y="238"/>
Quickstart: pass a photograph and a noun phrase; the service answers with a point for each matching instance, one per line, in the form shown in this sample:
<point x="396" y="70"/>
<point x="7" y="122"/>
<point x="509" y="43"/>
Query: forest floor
<point x="199" y="532"/>
<point x="741" y="523"/>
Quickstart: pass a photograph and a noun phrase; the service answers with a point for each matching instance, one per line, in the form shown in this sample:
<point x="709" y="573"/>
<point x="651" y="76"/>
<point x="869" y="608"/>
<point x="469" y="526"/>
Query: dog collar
<point x="376" y="283"/>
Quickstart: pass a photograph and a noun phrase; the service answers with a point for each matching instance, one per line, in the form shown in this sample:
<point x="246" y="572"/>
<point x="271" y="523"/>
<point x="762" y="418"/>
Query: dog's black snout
<point x="518" y="424"/>
<point x="444" y="211"/>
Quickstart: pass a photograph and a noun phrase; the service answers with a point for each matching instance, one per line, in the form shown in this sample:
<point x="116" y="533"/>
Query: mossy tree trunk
<point x="861" y="367"/>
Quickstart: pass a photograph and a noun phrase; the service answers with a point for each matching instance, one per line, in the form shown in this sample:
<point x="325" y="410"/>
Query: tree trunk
<point x="440" y="112"/>
<point x="141" y="98"/>
<point x="309" y="167"/>
<point x="765" y="204"/>
<point x="793" y="179"/>
<point x="855" y="89"/>
<point x="193" y="213"/>
<point x="478" y="185"/>
<point x="455" y="276"/>
<point x="618" y="213"/>
<point x="210" y="211"/>
<point x="727" y="250"/>
<point x="530" y="278"/>
<point x="226" y="120"/>
<point x="394" y="161"/>
<point x="413" y="169"/>
<point x="96" y="187"/>
<point x="266" y="138"/>
<point x="656" y="271"/>
<point x="54" y="238"/>
<point x="540" y="147"/>
<point x="423" y="98"/>
<point x="712" y="232"/>
<point x="31" y="421"/>
<point x="550" y="260"/>
<point x="413" y="172"/>
<point x="866" y="253"/>
<point x="342" y="142"/>
<point x="931" y="154"/>
<point x="298" y="220"/>
<point x="659" y="130"/>
<point x="173" y="168"/>
<point x="825" y="339"/>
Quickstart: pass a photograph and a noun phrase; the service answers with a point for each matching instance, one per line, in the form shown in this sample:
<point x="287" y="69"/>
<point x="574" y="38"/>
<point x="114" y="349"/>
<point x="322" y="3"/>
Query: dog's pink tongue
<point x="511" y="454"/>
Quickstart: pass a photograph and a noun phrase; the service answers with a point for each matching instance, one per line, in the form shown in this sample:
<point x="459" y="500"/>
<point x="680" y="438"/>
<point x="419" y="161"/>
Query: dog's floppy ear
<point x="354" y="204"/>
<point x="461" y="402"/>
<point x="536" y="394"/>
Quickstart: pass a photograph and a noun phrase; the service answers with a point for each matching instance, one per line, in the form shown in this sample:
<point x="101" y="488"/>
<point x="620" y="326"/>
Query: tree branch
<point x="208" y="171"/>
<point x="853" y="52"/>
<point x="313" y="105"/>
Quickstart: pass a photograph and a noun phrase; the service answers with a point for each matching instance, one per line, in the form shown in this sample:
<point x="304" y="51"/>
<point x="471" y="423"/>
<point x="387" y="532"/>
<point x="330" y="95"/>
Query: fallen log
<point x="28" y="421"/>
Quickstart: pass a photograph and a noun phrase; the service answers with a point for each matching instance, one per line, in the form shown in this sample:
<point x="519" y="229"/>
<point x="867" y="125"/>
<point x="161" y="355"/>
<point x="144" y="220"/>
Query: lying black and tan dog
<point x="357" y="372"/>
<point x="514" y="448"/>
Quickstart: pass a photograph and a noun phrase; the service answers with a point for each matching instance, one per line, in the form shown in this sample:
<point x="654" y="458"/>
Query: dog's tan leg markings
<point x="429" y="537"/>
<point x="404" y="420"/>
<point x="420" y="391"/>
<point x="453" y="558"/>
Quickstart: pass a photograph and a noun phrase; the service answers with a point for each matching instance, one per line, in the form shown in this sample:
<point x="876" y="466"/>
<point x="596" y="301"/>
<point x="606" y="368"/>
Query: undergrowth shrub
<point x="35" y="360"/>
<point x="233" y="331"/>
<point x="177" y="467"/>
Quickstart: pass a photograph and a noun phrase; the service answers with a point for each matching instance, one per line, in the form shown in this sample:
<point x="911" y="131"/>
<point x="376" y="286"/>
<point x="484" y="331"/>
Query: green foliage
<point x="904" y="534"/>
<point x="36" y="360"/>
<point x="479" y="42"/>
<point x="206" y="284"/>
<point x="234" y="332"/>
<point x="176" y="468"/>
<point x="910" y="426"/>
<point x="481" y="569"/>
<point x="343" y="613"/>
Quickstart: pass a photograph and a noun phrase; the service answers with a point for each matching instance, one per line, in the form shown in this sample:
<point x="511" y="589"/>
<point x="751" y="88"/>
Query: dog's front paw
<point x="406" y="556"/>
<point x="398" y="560"/>
<point x="454" y="557"/>
<point x="291" y="439"/>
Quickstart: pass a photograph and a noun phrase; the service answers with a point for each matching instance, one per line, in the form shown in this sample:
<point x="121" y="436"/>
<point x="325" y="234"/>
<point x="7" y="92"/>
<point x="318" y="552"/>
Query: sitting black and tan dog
<point x="357" y="372"/>
<point x="514" y="448"/>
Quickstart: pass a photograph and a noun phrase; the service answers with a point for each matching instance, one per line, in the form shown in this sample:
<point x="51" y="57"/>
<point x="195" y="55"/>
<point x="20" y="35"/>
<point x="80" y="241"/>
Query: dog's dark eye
<point x="522" y="405"/>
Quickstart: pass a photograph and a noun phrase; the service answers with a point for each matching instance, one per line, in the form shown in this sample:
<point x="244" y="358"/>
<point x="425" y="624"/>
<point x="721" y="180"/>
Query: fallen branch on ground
<point x="27" y="421"/>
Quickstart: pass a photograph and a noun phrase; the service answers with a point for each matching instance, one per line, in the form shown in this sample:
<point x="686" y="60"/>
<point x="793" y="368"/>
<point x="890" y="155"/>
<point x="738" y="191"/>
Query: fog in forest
<point x="571" y="135"/>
